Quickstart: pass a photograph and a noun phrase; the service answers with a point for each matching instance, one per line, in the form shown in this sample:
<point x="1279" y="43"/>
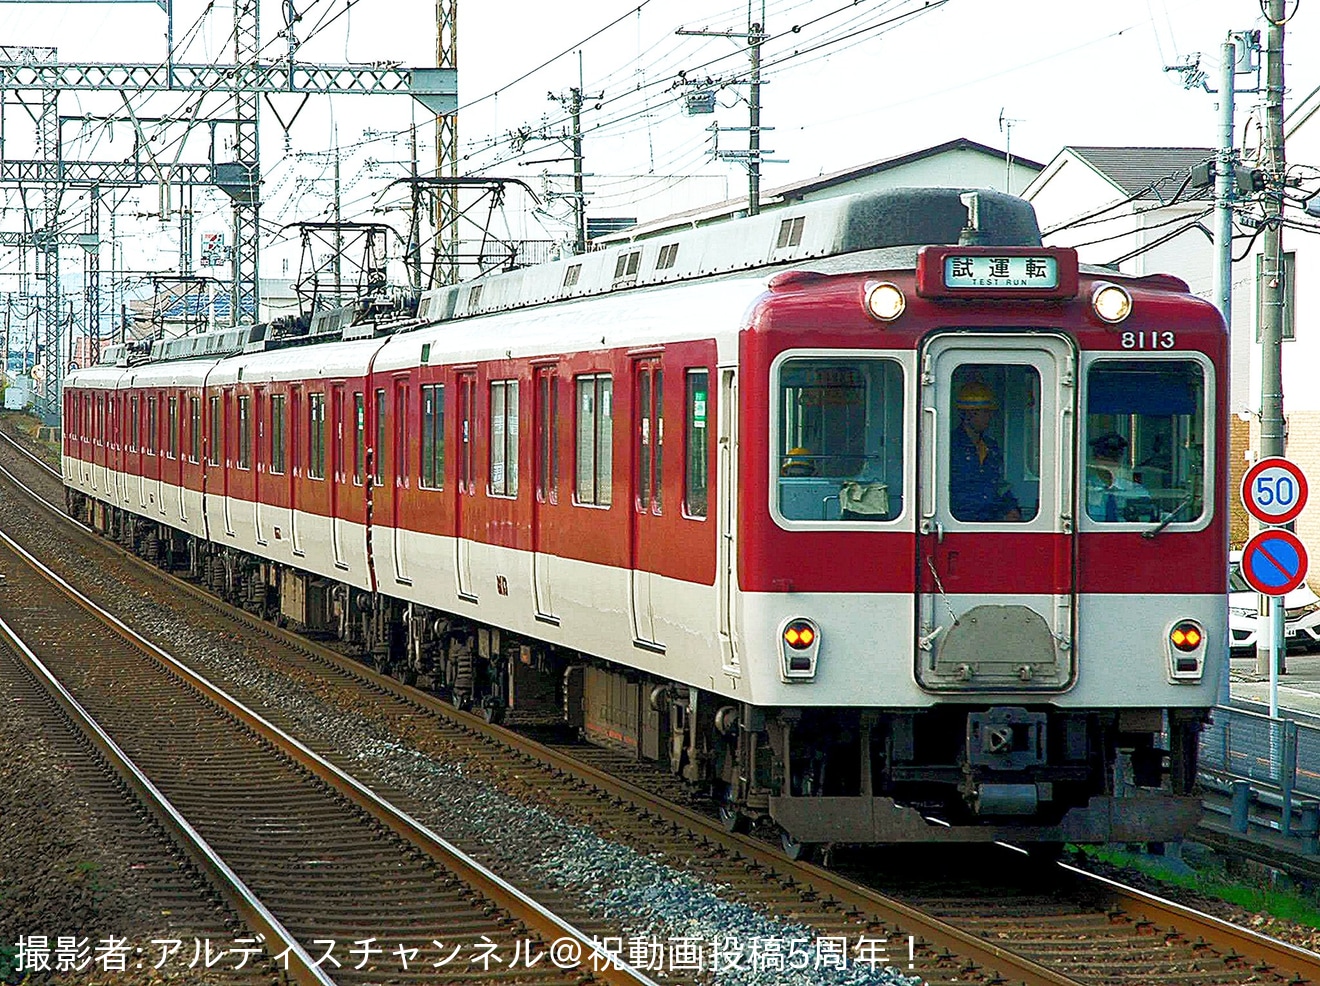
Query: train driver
<point x="1112" y="494"/>
<point x="977" y="489"/>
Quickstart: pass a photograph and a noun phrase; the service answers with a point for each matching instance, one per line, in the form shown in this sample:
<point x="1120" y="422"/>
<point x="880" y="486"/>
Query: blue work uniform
<point x="977" y="491"/>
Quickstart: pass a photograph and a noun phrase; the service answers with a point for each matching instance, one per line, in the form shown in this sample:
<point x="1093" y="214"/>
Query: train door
<point x="996" y="544"/>
<point x="401" y="481"/>
<point x="296" y="456"/>
<point x="728" y="518"/>
<point x="545" y="411"/>
<point x="647" y="537"/>
<point x="466" y="487"/>
<point x="262" y="457"/>
<point x="228" y="444"/>
<point x="338" y="475"/>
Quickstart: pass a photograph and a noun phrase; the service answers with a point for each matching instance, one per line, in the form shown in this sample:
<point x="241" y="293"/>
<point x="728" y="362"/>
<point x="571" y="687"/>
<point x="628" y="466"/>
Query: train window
<point x="433" y="437"/>
<point x="359" y="443"/>
<point x="595" y="440"/>
<point x="173" y="425"/>
<point x="547" y="435"/>
<point x="1145" y="441"/>
<point x="650" y="437"/>
<point x="195" y="429"/>
<point x="134" y="423"/>
<point x="696" y="442"/>
<point x="504" y="438"/>
<point x="277" y="433"/>
<point x="244" y="432"/>
<point x="213" y="453"/>
<point x="840" y="441"/>
<point x="994" y="444"/>
<point x="153" y="426"/>
<point x="379" y="470"/>
<point x="316" y="436"/>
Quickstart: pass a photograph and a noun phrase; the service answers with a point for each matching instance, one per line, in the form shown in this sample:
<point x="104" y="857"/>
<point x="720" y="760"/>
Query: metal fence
<point x="1260" y="760"/>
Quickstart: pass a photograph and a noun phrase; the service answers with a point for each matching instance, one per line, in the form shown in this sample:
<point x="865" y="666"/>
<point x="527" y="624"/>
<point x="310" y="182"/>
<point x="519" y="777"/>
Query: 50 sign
<point x="1274" y="490"/>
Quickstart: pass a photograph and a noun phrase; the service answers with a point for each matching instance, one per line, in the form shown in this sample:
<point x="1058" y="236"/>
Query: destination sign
<point x="988" y="271"/>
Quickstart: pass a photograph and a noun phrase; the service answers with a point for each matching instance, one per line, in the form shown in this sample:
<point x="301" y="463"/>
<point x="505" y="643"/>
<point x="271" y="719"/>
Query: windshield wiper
<point x="1168" y="518"/>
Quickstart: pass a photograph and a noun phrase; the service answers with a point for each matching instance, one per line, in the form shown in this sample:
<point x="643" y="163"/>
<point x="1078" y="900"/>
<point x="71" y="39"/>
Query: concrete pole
<point x="1273" y="164"/>
<point x="1223" y="273"/>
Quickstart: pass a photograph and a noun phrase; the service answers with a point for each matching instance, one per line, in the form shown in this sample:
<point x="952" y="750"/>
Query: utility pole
<point x="579" y="199"/>
<point x="755" y="35"/>
<point x="1272" y="293"/>
<point x="753" y="157"/>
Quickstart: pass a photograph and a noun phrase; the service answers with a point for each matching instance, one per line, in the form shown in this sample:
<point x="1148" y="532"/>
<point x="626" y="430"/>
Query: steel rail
<point x="1302" y="963"/>
<point x="605" y="966"/>
<point x="28" y="452"/>
<point x="301" y="967"/>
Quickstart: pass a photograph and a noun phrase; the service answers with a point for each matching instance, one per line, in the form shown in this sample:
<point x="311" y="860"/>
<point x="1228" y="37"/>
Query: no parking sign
<point x="1274" y="562"/>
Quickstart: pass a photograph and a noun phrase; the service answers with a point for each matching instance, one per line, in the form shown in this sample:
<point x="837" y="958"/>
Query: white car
<point x="1301" y="613"/>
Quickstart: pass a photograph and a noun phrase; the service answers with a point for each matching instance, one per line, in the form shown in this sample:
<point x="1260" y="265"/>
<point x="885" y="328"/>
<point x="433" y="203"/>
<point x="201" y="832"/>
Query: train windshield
<point x="840" y="439"/>
<point x="1145" y="441"/>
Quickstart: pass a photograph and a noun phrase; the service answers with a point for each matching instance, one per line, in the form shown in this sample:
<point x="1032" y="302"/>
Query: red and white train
<point x="700" y="494"/>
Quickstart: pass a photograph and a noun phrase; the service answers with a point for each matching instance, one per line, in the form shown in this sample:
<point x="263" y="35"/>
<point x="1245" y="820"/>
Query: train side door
<point x="728" y="518"/>
<point x="466" y="487"/>
<point x="400" y="480"/>
<point x="337" y="473"/>
<point x="297" y="456"/>
<point x="260" y="459"/>
<point x="545" y="426"/>
<point x="996" y="544"/>
<point x="647" y="500"/>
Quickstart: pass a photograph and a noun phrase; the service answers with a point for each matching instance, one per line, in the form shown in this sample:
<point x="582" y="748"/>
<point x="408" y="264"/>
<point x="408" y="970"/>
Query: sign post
<point x="1274" y="561"/>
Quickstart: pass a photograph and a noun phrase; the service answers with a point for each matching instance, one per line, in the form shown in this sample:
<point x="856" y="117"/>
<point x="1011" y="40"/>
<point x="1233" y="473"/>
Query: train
<point x="872" y="517"/>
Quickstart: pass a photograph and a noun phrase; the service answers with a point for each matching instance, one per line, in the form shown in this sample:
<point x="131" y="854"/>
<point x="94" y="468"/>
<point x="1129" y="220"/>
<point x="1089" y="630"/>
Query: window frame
<point x="509" y="438"/>
<point x="431" y="450"/>
<point x="689" y="430"/>
<point x="316" y="434"/>
<point x="1209" y="463"/>
<point x="905" y="361"/>
<point x="596" y="501"/>
<point x="278" y="428"/>
<point x="243" y="454"/>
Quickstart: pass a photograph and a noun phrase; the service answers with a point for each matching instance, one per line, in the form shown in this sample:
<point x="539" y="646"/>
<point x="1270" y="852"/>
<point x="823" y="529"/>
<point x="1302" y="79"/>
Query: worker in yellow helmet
<point x="798" y="462"/>
<point x="977" y="491"/>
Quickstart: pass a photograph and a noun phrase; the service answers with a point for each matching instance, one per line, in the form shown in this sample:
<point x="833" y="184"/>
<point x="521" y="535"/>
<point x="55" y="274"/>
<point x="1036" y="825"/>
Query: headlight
<point x="1243" y="611"/>
<point x="885" y="301"/>
<point x="1301" y="611"/>
<point x="1111" y="303"/>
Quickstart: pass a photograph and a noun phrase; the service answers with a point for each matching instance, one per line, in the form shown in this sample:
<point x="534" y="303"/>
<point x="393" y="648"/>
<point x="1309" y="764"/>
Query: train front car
<point x="981" y="543"/>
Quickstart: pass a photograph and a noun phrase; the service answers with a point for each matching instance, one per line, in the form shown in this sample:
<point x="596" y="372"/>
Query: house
<point x="955" y="162"/>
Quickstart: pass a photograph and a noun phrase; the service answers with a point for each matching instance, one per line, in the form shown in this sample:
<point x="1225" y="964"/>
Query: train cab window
<point x="277" y="433"/>
<point x="595" y="440"/>
<point x="696" y="443"/>
<point x="360" y="441"/>
<point x="433" y="437"/>
<point x="840" y="439"/>
<point x="316" y="436"/>
<point x="504" y="438"/>
<point x="195" y="429"/>
<point x="994" y="443"/>
<point x="244" y="432"/>
<point x="1144" y="451"/>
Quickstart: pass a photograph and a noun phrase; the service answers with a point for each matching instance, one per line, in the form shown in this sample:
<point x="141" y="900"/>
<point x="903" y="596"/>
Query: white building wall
<point x="964" y="167"/>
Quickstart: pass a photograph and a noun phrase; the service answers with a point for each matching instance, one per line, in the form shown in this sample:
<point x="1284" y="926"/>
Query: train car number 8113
<point x="1147" y="340"/>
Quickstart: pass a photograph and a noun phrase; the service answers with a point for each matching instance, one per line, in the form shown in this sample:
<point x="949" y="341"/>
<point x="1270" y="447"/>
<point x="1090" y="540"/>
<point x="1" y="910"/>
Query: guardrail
<point x="1259" y="761"/>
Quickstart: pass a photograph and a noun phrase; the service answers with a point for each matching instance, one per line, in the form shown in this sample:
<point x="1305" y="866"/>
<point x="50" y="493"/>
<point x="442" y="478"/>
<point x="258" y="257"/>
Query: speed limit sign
<point x="1274" y="490"/>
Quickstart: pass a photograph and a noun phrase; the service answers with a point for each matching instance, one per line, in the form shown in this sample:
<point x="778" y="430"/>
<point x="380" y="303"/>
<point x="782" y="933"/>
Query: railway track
<point x="1064" y="931"/>
<point x="310" y="858"/>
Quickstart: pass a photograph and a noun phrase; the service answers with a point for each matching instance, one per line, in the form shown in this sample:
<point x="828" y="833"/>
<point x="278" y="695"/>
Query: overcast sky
<point x="885" y="77"/>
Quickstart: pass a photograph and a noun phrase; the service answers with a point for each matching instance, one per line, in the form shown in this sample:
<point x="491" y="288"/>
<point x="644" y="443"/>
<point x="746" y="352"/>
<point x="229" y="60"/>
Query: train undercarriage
<point x="949" y="773"/>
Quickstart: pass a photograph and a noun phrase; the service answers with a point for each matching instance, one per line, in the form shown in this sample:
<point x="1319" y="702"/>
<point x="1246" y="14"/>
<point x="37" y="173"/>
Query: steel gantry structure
<point x="33" y="78"/>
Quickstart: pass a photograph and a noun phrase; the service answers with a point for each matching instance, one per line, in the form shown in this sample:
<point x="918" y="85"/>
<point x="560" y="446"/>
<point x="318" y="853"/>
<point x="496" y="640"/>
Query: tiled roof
<point x="1145" y="172"/>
